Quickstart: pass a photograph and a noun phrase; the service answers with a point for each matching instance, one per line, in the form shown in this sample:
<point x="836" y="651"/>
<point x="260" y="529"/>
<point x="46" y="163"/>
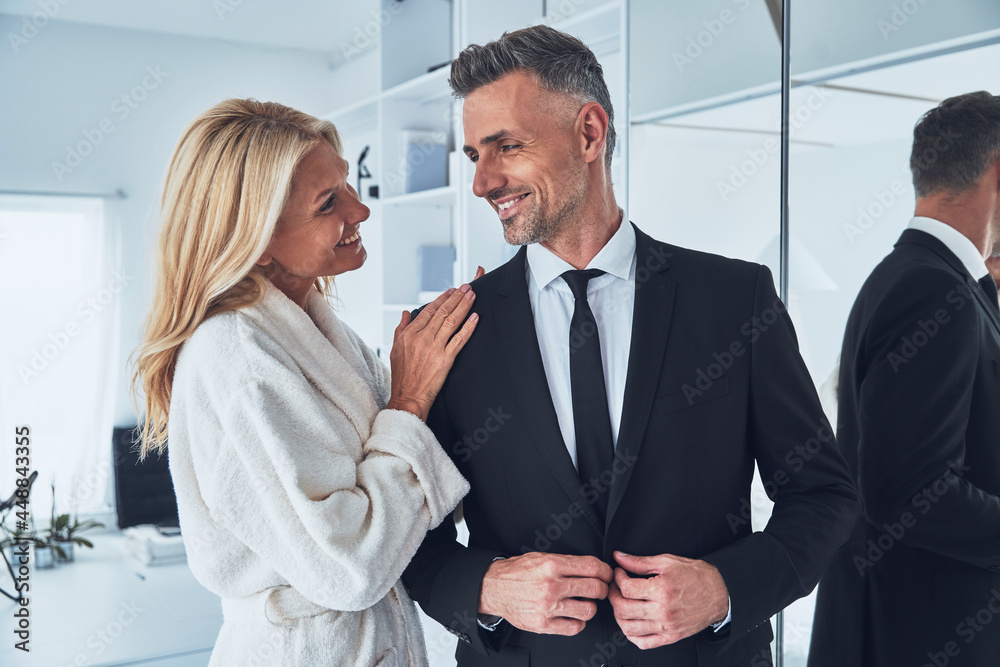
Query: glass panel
<point x="876" y="67"/>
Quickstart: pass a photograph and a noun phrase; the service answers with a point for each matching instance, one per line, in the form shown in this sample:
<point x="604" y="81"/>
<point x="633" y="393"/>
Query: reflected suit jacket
<point x="919" y="424"/>
<point x="714" y="384"/>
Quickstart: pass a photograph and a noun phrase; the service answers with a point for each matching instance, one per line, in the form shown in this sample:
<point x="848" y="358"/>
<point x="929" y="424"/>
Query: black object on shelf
<point x="363" y="172"/>
<point x="373" y="191"/>
<point x="144" y="491"/>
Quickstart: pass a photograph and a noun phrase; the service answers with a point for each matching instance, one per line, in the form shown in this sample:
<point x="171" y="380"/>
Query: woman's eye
<point x="328" y="205"/>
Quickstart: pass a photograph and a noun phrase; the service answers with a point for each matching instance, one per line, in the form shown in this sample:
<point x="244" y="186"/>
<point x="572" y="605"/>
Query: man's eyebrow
<point x="486" y="141"/>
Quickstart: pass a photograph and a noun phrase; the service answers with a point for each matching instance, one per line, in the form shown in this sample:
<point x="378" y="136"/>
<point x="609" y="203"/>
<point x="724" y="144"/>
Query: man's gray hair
<point x="955" y="143"/>
<point x="557" y="61"/>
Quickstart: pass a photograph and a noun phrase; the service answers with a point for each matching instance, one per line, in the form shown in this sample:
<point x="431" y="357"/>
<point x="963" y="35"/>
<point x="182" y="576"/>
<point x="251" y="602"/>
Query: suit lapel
<point x="515" y="324"/>
<point x="654" y="303"/>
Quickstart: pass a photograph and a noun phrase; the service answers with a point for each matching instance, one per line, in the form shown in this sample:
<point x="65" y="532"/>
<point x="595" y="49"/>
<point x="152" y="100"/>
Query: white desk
<point x="100" y="611"/>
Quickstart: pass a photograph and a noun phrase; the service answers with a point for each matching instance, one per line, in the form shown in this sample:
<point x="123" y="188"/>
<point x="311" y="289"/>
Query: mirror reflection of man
<point x="639" y="383"/>
<point x="918" y="420"/>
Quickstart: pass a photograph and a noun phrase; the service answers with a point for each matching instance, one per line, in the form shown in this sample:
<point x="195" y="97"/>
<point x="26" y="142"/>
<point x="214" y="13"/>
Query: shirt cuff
<point x="486" y="621"/>
<point x="729" y="616"/>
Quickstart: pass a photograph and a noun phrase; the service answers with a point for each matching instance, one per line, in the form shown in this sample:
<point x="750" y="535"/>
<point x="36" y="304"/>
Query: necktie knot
<point x="578" y="279"/>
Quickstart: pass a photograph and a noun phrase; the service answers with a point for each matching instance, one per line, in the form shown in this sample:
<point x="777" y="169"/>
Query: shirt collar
<point x="956" y="241"/>
<point x="616" y="258"/>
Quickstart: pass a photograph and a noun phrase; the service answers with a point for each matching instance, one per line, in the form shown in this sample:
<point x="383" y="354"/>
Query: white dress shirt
<point x="611" y="298"/>
<point x="956" y="241"/>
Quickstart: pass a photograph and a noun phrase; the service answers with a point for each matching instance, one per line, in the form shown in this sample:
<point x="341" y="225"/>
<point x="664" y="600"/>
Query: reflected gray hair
<point x="955" y="143"/>
<point x="558" y="62"/>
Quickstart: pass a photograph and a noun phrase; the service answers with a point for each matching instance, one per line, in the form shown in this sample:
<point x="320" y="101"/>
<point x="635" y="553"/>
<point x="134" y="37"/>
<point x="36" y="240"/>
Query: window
<point x="60" y="298"/>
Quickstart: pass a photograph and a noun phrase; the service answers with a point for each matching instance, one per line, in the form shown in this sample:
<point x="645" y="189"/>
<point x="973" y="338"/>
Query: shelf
<point x="399" y="307"/>
<point x="359" y="114"/>
<point x="423" y="89"/>
<point x="436" y="197"/>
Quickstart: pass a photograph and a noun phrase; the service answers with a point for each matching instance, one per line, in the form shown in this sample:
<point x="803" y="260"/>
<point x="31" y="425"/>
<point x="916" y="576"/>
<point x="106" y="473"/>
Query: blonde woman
<point x="305" y="480"/>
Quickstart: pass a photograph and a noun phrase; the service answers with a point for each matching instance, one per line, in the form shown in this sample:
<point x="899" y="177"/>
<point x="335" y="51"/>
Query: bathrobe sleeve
<point x="336" y="512"/>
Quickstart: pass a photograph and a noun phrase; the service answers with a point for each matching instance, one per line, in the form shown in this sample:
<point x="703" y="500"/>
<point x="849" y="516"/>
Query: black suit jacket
<point x="919" y="424"/>
<point x="714" y="383"/>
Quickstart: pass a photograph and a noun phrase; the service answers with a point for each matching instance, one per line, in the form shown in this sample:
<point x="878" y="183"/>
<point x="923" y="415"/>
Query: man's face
<point x="527" y="149"/>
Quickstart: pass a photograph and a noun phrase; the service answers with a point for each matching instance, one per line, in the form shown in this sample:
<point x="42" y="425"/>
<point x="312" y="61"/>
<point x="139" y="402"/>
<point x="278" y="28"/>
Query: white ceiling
<point x="330" y="26"/>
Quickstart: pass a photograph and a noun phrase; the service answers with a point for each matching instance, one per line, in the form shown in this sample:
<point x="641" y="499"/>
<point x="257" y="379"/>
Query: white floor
<point x="105" y="610"/>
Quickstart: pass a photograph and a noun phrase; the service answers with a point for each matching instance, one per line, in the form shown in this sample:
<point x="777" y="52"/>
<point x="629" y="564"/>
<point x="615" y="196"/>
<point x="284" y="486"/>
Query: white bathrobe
<point x="302" y="498"/>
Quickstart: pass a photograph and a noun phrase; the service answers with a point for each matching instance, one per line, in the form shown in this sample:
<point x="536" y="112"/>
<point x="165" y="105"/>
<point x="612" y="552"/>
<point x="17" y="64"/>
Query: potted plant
<point x="64" y="536"/>
<point x="44" y="558"/>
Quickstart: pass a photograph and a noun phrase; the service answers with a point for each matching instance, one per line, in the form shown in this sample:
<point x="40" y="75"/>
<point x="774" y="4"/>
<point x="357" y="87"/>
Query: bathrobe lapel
<point x="324" y="352"/>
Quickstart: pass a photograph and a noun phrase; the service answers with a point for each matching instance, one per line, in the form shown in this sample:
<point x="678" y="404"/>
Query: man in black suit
<point x="609" y="410"/>
<point x="918" y="583"/>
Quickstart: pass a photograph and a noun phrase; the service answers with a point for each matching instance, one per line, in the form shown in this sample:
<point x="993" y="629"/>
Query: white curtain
<point x="60" y="299"/>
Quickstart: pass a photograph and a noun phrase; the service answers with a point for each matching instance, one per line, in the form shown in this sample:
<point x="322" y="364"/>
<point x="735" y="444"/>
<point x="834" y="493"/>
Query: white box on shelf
<point x="424" y="159"/>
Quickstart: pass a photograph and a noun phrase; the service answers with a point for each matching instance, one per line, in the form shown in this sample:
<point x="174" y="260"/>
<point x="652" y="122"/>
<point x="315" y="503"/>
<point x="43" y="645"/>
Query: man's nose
<point x="487" y="179"/>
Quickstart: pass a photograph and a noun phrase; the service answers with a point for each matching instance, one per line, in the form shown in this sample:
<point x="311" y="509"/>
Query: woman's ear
<point x="265" y="259"/>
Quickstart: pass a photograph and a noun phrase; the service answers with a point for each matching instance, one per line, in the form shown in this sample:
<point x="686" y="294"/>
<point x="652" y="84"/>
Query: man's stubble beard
<point x="537" y="228"/>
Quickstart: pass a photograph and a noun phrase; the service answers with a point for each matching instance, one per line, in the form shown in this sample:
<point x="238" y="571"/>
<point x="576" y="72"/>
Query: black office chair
<point x="19" y="495"/>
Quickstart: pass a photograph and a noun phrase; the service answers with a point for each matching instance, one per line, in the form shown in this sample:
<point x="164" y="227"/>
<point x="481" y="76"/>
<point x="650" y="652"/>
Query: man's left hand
<point x="681" y="598"/>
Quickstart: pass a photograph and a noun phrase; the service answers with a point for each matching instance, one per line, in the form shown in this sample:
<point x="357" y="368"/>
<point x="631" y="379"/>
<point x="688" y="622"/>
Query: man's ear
<point x="593" y="123"/>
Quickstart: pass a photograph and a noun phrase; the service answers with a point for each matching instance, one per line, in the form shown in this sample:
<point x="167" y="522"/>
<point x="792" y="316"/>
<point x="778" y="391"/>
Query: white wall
<point x="69" y="78"/>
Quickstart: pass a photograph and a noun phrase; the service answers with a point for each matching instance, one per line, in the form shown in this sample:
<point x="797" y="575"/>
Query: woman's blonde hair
<point x="226" y="187"/>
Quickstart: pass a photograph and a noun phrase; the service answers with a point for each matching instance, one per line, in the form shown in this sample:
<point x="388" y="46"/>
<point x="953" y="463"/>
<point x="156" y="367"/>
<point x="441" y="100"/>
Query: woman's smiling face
<point x="318" y="232"/>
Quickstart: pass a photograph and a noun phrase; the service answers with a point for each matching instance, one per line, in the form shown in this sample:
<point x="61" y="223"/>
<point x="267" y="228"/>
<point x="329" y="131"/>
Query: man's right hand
<point x="543" y="593"/>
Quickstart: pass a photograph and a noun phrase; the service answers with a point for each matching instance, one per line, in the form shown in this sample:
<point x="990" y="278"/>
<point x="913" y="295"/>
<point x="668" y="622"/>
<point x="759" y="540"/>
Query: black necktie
<point x="591" y="419"/>
<point x="990" y="287"/>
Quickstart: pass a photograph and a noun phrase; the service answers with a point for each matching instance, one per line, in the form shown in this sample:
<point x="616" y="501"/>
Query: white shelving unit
<point x="421" y="34"/>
